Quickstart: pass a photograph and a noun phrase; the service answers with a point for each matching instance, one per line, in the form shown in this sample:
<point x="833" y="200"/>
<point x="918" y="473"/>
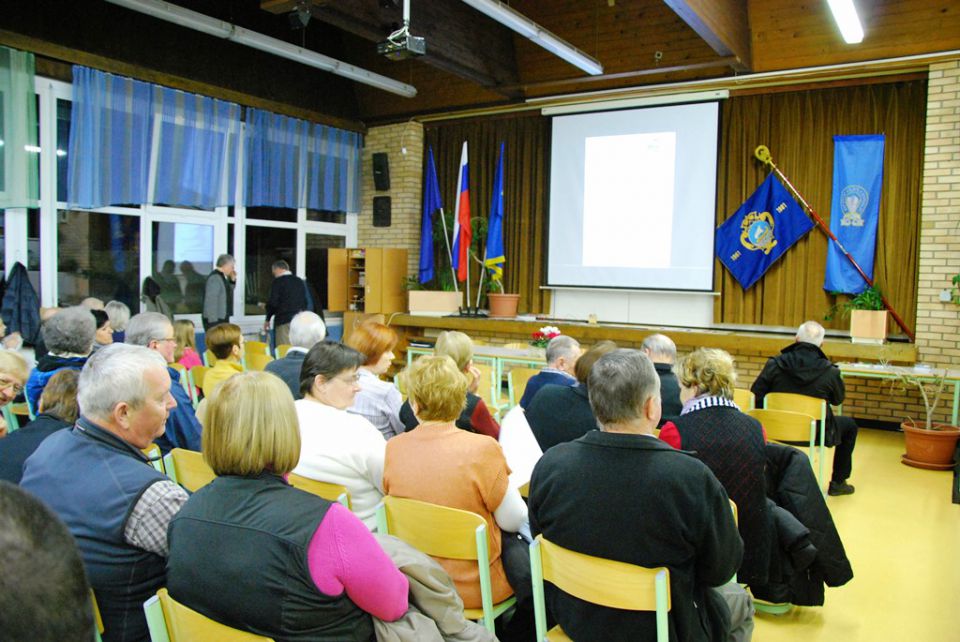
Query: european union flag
<point x="494" y="256"/>
<point x="431" y="203"/>
<point x="759" y="233"/>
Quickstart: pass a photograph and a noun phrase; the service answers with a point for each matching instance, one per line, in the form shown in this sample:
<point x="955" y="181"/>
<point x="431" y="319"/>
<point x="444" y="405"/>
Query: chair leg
<point x="536" y="579"/>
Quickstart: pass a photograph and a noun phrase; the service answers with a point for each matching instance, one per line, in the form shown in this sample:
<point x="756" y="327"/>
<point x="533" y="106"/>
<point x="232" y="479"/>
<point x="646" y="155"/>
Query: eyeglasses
<point x="354" y="378"/>
<point x="170" y="339"/>
<point x="13" y="385"/>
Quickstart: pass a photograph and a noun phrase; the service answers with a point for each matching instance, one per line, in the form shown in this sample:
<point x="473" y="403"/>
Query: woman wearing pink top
<point x="186" y="353"/>
<point x="286" y="564"/>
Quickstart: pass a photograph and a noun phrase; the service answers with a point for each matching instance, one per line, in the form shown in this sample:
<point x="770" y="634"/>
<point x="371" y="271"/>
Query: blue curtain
<point x="112" y="141"/>
<point x="294" y="163"/>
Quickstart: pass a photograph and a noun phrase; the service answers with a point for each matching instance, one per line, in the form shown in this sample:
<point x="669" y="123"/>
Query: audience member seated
<point x="287" y="565"/>
<point x="663" y="353"/>
<point x="68" y="336"/>
<point x="731" y="444"/>
<point x="562" y="355"/>
<point x="621" y="494"/>
<point x="58" y="410"/>
<point x="98" y="481"/>
<point x="185" y="354"/>
<point x="153" y="300"/>
<point x="338" y="447"/>
<point x="104" y="333"/>
<point x="475" y="416"/>
<point x="562" y="413"/>
<point x="13" y="374"/>
<point x="379" y="401"/>
<point x="225" y="341"/>
<point x="306" y="330"/>
<point x="802" y="368"/>
<point x="44" y="595"/>
<point x="93" y="303"/>
<point x="119" y="315"/>
<point x="153" y="330"/>
<point x="441" y="464"/>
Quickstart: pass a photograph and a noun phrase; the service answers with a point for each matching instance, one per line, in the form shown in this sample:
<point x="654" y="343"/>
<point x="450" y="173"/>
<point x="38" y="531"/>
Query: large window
<point x="182" y="257"/>
<point x="99" y="256"/>
<point x="264" y="245"/>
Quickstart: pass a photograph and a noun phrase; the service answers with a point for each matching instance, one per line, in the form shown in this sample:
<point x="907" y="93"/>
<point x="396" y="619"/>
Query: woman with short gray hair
<point x="119" y="315"/>
<point x="68" y="336"/>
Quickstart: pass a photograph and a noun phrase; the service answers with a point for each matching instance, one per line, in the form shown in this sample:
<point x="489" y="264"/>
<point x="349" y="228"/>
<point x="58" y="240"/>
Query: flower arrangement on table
<point x="543" y="336"/>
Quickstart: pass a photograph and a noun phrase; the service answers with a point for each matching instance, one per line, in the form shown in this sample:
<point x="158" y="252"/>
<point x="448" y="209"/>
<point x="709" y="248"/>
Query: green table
<point x="883" y="371"/>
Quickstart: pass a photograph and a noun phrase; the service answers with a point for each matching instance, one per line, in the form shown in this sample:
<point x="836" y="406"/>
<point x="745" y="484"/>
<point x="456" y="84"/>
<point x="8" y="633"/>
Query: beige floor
<point x="902" y="535"/>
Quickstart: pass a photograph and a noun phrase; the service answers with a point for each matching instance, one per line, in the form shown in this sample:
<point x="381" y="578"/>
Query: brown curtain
<point x="525" y="180"/>
<point x="798" y="127"/>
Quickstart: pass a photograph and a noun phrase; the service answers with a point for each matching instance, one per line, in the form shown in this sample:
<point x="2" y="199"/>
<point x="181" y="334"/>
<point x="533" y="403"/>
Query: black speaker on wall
<point x="381" y="171"/>
<point x="381" y="211"/>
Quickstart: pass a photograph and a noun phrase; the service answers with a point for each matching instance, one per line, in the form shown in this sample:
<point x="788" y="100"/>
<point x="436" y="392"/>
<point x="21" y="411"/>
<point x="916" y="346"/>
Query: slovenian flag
<point x="462" y="234"/>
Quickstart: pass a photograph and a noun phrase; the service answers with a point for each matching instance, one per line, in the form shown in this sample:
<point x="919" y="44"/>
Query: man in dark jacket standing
<point x="803" y="368"/>
<point x="288" y="296"/>
<point x="218" y="292"/>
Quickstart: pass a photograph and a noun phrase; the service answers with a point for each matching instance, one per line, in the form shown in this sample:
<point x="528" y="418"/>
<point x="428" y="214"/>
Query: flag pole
<point x="483" y="273"/>
<point x="446" y="241"/>
<point x="762" y="154"/>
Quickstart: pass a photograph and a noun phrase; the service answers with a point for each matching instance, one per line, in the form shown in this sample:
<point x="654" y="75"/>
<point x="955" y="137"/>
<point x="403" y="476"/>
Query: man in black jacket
<point x="663" y="352"/>
<point x="803" y="368"/>
<point x="288" y="296"/>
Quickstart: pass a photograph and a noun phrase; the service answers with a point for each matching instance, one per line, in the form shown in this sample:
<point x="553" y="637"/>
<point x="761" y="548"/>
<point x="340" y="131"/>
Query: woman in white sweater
<point x="339" y="447"/>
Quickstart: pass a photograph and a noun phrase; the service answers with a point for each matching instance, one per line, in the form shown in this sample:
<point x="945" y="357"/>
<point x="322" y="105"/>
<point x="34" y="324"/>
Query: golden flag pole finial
<point x="762" y="152"/>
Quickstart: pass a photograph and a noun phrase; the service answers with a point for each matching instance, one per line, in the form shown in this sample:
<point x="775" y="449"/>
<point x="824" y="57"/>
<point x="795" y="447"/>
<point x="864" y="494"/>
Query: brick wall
<point x="406" y="180"/>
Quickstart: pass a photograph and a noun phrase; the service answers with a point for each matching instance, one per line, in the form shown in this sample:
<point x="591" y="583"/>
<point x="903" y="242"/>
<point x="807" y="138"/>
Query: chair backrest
<point x="517" y="380"/>
<point x="188" y="469"/>
<point x="257" y="361"/>
<point x="282" y="350"/>
<point x="744" y="399"/>
<point x="489" y="391"/>
<point x="170" y="621"/>
<point x="97" y="620"/>
<point x="11" y="419"/>
<point x="256" y="347"/>
<point x="209" y="359"/>
<point x="185" y="380"/>
<point x="785" y="426"/>
<point x="518" y="346"/>
<point x="330" y="492"/>
<point x="156" y="458"/>
<point x="439" y="531"/>
<point x="198" y="373"/>
<point x="736" y="513"/>
<point x="812" y="406"/>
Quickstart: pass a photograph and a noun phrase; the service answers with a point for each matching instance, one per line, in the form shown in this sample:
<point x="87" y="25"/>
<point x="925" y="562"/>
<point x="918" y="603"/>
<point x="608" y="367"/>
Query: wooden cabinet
<point x="367" y="280"/>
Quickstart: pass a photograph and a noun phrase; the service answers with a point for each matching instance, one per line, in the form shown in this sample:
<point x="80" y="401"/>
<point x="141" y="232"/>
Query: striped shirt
<point x="380" y="402"/>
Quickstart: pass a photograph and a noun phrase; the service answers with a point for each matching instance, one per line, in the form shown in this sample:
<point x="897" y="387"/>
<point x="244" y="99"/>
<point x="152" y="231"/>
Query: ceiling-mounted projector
<point x="402" y="47"/>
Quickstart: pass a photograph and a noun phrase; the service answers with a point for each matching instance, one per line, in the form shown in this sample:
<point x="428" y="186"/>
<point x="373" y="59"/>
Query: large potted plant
<point x="929" y="445"/>
<point x="500" y="304"/>
<point x="868" y="316"/>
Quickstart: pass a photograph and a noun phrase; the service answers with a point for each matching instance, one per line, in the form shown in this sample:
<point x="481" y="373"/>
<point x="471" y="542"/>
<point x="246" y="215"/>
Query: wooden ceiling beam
<point x="723" y="24"/>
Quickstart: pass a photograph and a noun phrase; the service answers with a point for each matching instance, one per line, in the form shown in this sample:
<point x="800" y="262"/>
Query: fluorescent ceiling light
<point x="530" y="29"/>
<point x="643" y="101"/>
<point x="845" y="15"/>
<point x="221" y="29"/>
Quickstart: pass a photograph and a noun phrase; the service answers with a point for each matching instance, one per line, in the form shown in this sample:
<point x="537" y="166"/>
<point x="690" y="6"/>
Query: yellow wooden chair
<point x="330" y="492"/>
<point x="257" y="361"/>
<point x="790" y="428"/>
<point x="524" y="490"/>
<point x="187" y="468"/>
<point x="256" y="347"/>
<point x="97" y="620"/>
<point x="517" y="380"/>
<point x="197" y="373"/>
<point x="209" y="359"/>
<point x="599" y="581"/>
<point x="810" y="406"/>
<point x="170" y="621"/>
<point x="186" y="380"/>
<point x="744" y="399"/>
<point x="283" y="349"/>
<point x="445" y="532"/>
<point x="489" y="389"/>
<point x="154" y="455"/>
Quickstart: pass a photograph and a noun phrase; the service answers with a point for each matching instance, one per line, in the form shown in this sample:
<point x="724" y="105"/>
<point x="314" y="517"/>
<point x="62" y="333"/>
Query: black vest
<point x="238" y="554"/>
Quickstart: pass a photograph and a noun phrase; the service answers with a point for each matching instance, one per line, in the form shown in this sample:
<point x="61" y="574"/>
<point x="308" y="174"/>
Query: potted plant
<point x="868" y="316"/>
<point x="501" y="305"/>
<point x="929" y="445"/>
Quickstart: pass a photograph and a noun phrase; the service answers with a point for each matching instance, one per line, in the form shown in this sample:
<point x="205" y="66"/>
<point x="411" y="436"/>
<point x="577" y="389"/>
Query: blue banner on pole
<point x="854" y="210"/>
<point x="431" y="203"/>
<point x="760" y="232"/>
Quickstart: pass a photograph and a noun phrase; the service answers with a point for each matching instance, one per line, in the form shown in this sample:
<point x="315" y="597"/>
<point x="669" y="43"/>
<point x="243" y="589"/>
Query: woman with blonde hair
<point x="119" y="315"/>
<point x="185" y="332"/>
<point x="288" y="564"/>
<point x="731" y="444"/>
<point x="379" y="401"/>
<point x="225" y="341"/>
<point x="475" y="416"/>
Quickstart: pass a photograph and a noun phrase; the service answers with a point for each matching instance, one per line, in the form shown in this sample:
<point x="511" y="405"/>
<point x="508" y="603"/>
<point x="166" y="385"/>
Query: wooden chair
<point x="790" y="428"/>
<point x="156" y="458"/>
<point x="209" y="359"/>
<point x="197" y="373"/>
<point x="489" y="390"/>
<point x="188" y="469"/>
<point x="446" y="532"/>
<point x="517" y="380"/>
<point x="598" y="581"/>
<point x="97" y="620"/>
<point x="745" y="399"/>
<point x="282" y="350"/>
<point x="256" y="347"/>
<point x="170" y="621"/>
<point x="13" y="424"/>
<point x="186" y="381"/>
<point x="330" y="492"/>
<point x="257" y="361"/>
<point x="524" y="490"/>
<point x="810" y="406"/>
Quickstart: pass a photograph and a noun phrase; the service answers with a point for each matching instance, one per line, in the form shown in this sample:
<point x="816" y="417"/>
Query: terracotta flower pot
<point x="503" y="306"/>
<point x="930" y="448"/>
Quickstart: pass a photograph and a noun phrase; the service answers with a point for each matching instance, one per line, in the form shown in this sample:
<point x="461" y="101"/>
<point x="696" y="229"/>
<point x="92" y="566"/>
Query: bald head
<point x="810" y="332"/>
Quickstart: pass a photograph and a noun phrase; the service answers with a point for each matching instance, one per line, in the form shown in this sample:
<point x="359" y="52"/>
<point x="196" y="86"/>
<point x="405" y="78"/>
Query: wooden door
<point x="394" y="296"/>
<point x="337" y="279"/>
<point x="373" y="293"/>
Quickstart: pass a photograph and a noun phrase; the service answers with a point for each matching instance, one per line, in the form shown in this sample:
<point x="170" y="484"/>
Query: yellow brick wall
<point x="406" y="180"/>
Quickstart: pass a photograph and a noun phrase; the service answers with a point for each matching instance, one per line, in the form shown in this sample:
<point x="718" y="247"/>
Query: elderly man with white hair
<point x="562" y="355"/>
<point x="98" y="481"/>
<point x="803" y="368"/>
<point x="306" y="330"/>
<point x="663" y="353"/>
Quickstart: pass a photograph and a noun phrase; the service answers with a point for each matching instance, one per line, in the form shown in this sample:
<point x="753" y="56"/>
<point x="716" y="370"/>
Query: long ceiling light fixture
<point x="527" y="28"/>
<point x="845" y="15"/>
<point x="228" y="31"/>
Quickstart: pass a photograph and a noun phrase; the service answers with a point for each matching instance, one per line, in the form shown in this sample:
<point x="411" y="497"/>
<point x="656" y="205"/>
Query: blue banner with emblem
<point x="854" y="210"/>
<point x="760" y="232"/>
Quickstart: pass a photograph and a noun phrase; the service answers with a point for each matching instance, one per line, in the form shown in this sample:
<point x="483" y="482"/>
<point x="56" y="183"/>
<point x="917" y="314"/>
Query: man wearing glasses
<point x="154" y="330"/>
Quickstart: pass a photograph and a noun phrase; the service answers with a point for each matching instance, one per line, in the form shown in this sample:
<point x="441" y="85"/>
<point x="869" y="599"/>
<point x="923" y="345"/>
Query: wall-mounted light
<point x="845" y="15"/>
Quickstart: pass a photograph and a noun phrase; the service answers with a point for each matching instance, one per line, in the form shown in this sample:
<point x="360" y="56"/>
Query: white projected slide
<point x="633" y="198"/>
<point x="628" y="179"/>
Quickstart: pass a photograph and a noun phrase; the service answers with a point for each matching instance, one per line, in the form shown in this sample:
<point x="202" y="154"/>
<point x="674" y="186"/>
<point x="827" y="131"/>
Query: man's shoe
<point x="840" y="488"/>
